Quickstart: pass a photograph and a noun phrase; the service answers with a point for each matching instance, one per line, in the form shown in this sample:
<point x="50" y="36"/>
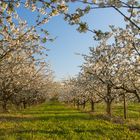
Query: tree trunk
<point x="24" y="105"/>
<point x="92" y="105"/>
<point x="78" y="104"/>
<point x="84" y="104"/>
<point x="17" y="106"/>
<point x="108" y="108"/>
<point x="124" y="106"/>
<point x="4" y="106"/>
<point x="74" y="102"/>
<point x="108" y="100"/>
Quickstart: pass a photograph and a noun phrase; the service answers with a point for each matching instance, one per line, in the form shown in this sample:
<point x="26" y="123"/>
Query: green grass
<point x="56" y="121"/>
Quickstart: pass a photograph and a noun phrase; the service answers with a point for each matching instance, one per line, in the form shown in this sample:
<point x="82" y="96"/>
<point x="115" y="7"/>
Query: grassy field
<point x="55" y="121"/>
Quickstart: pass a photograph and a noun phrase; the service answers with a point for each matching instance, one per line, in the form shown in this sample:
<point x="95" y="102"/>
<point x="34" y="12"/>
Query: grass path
<point x="55" y="121"/>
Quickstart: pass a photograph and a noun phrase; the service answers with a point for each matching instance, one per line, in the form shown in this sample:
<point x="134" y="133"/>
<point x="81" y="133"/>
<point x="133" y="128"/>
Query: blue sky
<point x="62" y="55"/>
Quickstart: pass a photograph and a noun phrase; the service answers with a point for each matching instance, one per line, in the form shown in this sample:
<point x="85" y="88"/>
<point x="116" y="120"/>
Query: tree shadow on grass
<point x="97" y="131"/>
<point x="50" y="112"/>
<point x="55" y="117"/>
<point x="58" y="116"/>
<point x="11" y="132"/>
<point x="15" y="119"/>
<point x="50" y="132"/>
